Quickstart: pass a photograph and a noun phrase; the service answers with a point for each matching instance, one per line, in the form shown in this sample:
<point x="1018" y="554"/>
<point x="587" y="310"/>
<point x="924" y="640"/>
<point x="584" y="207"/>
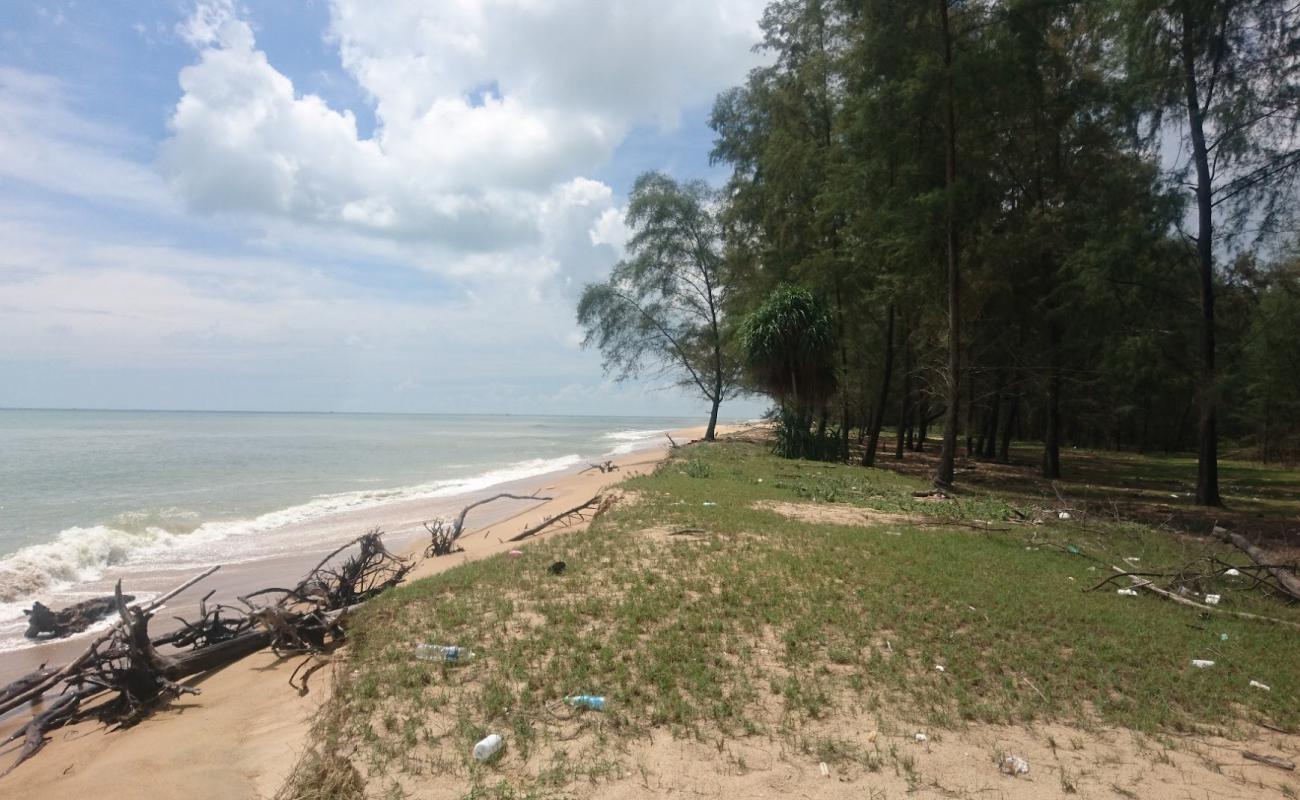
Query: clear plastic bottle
<point x="488" y="747"/>
<point x="591" y="701"/>
<point x="448" y="653"/>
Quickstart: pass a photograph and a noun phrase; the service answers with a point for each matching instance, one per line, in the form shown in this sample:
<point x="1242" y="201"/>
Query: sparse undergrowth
<point x="760" y="625"/>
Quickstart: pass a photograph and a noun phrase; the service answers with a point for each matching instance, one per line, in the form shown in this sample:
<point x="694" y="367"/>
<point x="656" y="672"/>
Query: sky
<point x="338" y="205"/>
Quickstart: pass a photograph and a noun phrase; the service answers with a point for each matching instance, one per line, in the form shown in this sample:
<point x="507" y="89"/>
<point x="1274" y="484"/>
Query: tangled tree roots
<point x="123" y="674"/>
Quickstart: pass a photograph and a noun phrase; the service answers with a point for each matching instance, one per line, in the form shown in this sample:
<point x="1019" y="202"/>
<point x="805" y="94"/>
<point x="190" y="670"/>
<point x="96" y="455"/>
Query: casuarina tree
<point x="661" y="308"/>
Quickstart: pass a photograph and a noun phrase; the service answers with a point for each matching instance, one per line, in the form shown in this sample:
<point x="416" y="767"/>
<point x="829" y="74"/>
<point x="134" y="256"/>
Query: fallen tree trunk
<point x="91" y="652"/>
<point x="43" y="621"/>
<point x="1286" y="579"/>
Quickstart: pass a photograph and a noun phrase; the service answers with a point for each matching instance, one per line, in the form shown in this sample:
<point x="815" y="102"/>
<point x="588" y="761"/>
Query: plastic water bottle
<point x="594" y="702"/>
<point x="488" y="747"/>
<point x="448" y="653"/>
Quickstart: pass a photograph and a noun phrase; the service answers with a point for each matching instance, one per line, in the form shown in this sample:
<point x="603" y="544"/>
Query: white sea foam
<point x="80" y="554"/>
<point x="633" y="440"/>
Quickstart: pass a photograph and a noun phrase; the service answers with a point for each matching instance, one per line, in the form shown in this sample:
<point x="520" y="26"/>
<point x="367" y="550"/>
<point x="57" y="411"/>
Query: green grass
<point x="768" y="626"/>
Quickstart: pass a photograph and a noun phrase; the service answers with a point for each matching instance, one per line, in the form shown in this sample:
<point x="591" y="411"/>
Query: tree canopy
<point x="662" y="307"/>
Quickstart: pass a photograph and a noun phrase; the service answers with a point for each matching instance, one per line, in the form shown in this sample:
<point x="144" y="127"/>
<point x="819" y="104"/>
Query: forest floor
<point x="763" y="628"/>
<point x="1260" y="501"/>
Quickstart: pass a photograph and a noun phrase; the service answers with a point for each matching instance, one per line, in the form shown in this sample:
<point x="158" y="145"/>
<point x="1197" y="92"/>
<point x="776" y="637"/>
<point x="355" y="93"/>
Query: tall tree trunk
<point x="1052" y="435"/>
<point x="948" y="452"/>
<point x="904" y="408"/>
<point x="970" y="410"/>
<point x="922" y="425"/>
<point x="1207" y="456"/>
<point x="713" y="416"/>
<point x="878" y="418"/>
<point x="990" y="436"/>
<point x="1004" y="447"/>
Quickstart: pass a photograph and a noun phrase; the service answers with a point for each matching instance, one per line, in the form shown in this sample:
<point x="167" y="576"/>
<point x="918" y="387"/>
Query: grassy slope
<point x="766" y="625"/>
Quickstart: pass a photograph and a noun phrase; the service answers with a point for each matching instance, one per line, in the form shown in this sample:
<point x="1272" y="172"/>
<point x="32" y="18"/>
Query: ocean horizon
<point x="82" y="491"/>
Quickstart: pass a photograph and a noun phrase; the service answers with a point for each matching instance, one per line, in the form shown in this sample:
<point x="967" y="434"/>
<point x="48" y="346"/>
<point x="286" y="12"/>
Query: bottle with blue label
<point x="450" y="654"/>
<point x="591" y="701"/>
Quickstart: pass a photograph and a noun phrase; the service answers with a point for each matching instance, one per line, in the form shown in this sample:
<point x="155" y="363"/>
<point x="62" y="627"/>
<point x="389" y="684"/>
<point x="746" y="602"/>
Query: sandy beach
<point x="242" y="734"/>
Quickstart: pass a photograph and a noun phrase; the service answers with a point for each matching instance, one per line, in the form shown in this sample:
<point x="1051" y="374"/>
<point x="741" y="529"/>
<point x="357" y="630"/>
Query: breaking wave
<point x="632" y="440"/>
<point x="80" y="554"/>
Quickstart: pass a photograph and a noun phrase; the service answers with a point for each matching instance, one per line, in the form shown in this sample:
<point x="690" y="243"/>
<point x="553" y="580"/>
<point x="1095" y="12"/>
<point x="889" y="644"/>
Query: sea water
<point x="82" y="491"/>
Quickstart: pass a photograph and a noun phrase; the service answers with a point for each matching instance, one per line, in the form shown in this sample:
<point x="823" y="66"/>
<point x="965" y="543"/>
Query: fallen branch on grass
<point x="584" y="512"/>
<point x="1168" y="595"/>
<point x="1287" y="582"/>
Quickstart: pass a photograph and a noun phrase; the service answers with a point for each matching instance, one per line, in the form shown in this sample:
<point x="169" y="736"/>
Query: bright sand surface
<point x="240" y="737"/>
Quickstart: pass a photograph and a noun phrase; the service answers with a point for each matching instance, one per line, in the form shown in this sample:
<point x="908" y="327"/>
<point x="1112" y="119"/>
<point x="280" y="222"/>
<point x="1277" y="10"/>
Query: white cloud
<point x="488" y="114"/>
<point x="43" y="142"/>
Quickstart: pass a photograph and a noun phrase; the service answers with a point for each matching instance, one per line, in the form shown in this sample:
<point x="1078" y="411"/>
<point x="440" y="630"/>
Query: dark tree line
<point x="1066" y="221"/>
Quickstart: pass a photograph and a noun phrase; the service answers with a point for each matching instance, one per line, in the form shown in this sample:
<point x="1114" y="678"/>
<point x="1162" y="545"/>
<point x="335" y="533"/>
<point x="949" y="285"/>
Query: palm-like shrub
<point x="789" y="345"/>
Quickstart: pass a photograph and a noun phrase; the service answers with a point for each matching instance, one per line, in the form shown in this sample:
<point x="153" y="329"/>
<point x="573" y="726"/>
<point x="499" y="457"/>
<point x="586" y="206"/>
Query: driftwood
<point x="44" y="622"/>
<point x="604" y="467"/>
<point x="90" y="653"/>
<point x="583" y="512"/>
<point x="26" y="682"/>
<point x="1272" y="761"/>
<point x="126" y="673"/>
<point x="1287" y="582"/>
<point x="33" y="733"/>
<point x="444" y="534"/>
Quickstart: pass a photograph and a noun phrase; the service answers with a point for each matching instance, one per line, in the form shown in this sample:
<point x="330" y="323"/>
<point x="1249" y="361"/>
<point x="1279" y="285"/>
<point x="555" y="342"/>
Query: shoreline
<point x="245" y="731"/>
<point x="258" y="559"/>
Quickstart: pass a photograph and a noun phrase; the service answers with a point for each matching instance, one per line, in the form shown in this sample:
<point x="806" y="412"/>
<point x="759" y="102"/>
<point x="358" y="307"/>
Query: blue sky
<point x="336" y="205"/>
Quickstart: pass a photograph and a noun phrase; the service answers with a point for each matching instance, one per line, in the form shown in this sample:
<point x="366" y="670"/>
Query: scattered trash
<point x="1233" y="572"/>
<point x="1127" y="592"/>
<point x="826" y="771"/>
<point x="921" y="737"/>
<point x="760" y="480"/>
<point x="1258" y="685"/>
<point x="448" y="653"/>
<point x="1069" y="577"/>
<point x="1132" y="559"/>
<point x="488" y="747"/>
<point x="1272" y="761"/>
<point x="1073" y="549"/>
<point x="557" y="568"/>
<point x="1201" y="663"/>
<point x="1212" y="599"/>
<point x="709" y="503"/>
<point x="516" y="553"/>
<point x="1173" y="494"/>
<point x="591" y="701"/>
<point x="1014" y="765"/>
<point x="1063" y="515"/>
<point x="1223" y="637"/>
<point x="871" y="737"/>
<point x="939" y="668"/>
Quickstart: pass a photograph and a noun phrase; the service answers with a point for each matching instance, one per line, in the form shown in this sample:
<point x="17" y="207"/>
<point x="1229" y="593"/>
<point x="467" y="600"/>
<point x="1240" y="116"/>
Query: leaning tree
<point x="661" y="308"/>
